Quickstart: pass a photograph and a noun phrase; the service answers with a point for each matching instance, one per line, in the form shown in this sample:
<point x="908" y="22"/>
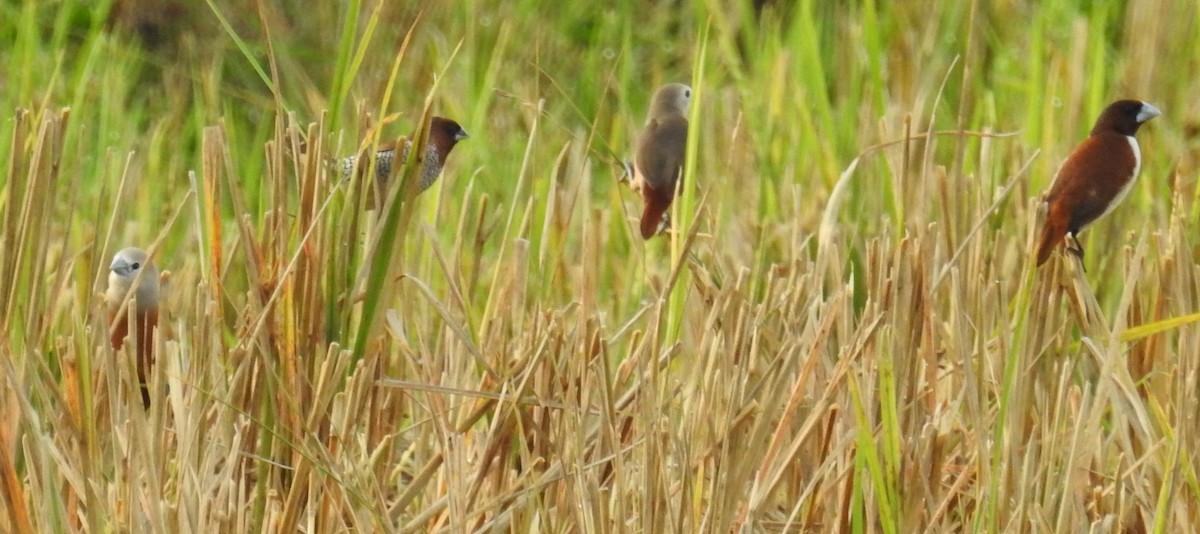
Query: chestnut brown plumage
<point x="658" y="165"/>
<point x="444" y="134"/>
<point x="1097" y="175"/>
<point x="123" y="272"/>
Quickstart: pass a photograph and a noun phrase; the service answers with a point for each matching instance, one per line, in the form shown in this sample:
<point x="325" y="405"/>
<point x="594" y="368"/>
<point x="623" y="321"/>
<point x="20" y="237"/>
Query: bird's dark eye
<point x="137" y="265"/>
<point x="687" y="94"/>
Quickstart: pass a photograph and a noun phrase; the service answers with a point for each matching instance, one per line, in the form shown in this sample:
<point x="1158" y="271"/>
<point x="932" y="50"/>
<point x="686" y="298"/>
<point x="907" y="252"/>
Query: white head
<point x="125" y="268"/>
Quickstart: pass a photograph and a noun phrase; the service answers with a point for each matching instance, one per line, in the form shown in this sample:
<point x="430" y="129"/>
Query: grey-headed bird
<point x="658" y="165"/>
<point x="123" y="272"/>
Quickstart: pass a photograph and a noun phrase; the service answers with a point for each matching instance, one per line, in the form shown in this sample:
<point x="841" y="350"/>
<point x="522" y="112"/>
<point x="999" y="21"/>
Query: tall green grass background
<point x="844" y="330"/>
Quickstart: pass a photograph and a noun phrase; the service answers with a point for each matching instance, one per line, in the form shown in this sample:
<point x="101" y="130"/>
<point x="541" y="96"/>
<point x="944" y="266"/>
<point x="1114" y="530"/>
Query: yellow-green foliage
<point x="845" y="332"/>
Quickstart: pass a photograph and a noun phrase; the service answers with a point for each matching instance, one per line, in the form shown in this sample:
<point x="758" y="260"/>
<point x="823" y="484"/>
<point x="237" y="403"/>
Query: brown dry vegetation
<point x="845" y="332"/>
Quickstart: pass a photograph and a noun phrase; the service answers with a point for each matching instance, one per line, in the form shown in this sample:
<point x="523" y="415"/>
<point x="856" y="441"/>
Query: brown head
<point x="1124" y="117"/>
<point x="444" y="134"/>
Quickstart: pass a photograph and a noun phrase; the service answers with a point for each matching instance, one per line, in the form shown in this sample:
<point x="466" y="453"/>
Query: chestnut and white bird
<point x="444" y="134"/>
<point x="123" y="273"/>
<point x="658" y="165"/>
<point x="1097" y="175"/>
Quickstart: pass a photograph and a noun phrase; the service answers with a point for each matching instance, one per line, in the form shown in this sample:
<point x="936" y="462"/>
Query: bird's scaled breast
<point x="431" y="167"/>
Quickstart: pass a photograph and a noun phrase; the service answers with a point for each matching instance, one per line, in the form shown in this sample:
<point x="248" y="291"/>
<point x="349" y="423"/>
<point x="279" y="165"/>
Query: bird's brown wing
<point x="659" y="163"/>
<point x="1086" y="183"/>
<point x="661" y="152"/>
<point x="1091" y="178"/>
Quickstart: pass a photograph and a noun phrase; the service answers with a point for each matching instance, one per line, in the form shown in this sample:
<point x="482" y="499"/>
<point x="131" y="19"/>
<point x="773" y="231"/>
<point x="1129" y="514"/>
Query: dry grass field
<point x="843" y="332"/>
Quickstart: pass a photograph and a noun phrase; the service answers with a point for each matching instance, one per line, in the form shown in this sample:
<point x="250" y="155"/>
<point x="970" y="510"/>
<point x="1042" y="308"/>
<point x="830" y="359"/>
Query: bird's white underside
<point x="1137" y="166"/>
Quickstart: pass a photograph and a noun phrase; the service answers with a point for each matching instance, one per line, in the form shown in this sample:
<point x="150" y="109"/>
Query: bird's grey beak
<point x="121" y="267"/>
<point x="1147" y="112"/>
<point x="462" y="134"/>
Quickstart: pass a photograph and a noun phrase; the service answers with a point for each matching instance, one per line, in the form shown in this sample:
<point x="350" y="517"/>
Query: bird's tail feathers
<point x="652" y="218"/>
<point x="1053" y="234"/>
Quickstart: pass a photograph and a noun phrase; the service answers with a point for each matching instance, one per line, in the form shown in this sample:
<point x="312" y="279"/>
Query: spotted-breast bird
<point x="443" y="135"/>
<point x="658" y="165"/>
<point x="1097" y="175"/>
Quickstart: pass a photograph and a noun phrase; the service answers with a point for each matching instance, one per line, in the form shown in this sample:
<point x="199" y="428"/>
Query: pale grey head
<point x="124" y="270"/>
<point x="672" y="99"/>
